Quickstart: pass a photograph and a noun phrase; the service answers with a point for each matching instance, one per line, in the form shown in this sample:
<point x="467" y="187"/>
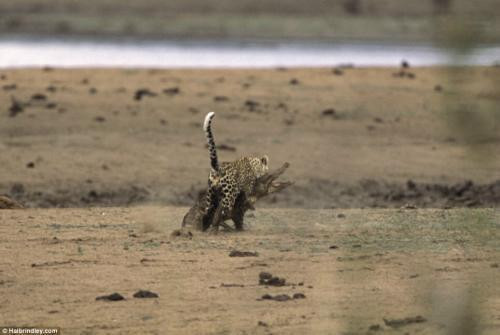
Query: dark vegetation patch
<point x="314" y="193"/>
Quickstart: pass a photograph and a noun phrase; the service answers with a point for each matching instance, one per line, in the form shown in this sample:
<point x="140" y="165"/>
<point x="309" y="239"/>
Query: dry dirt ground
<point x="355" y="137"/>
<point x="424" y="271"/>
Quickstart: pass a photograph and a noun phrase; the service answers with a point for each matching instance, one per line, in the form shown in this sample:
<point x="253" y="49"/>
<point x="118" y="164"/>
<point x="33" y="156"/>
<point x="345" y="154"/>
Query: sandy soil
<point x="355" y="268"/>
<point x="354" y="137"/>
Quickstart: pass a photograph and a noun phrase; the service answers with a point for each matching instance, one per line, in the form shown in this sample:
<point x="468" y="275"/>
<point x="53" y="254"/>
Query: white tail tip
<point x="207" y="120"/>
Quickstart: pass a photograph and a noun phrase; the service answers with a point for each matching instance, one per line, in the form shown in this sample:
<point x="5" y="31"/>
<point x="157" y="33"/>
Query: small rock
<point x="145" y="294"/>
<point x="275" y="281"/>
<point x="30" y="165"/>
<point x="333" y="247"/>
<point x="172" y="91"/>
<point x="251" y="105"/>
<point x="220" y="98"/>
<point x="237" y="253"/>
<point x="299" y="296"/>
<point x="293" y="81"/>
<point x="405" y="64"/>
<point x="262" y="324"/>
<point x="111" y="297"/>
<point x="15" y="107"/>
<point x="375" y="327"/>
<point x="330" y="112"/>
<point x="337" y="72"/>
<point x="265" y="276"/>
<point x="142" y="92"/>
<point x="39" y="97"/>
<point x="438" y="88"/>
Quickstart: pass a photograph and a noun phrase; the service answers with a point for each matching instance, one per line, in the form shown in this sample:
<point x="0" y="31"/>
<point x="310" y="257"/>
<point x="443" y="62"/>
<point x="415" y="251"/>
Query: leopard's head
<point x="260" y="165"/>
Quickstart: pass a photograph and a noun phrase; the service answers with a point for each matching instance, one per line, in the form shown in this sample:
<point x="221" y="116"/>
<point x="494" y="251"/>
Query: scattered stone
<point x="299" y="296"/>
<point x="266" y="278"/>
<point x="293" y="81"/>
<point x="341" y="216"/>
<point x="143" y="92"/>
<point x="405" y="64"/>
<point x="337" y="72"/>
<point x="251" y="105"/>
<point x="330" y="112"/>
<point x="438" y="88"/>
<point x="220" y="98"/>
<point x="51" y="105"/>
<point x="396" y="323"/>
<point x="262" y="324"/>
<point x="51" y="88"/>
<point x="93" y="90"/>
<point x="15" y="107"/>
<point x="333" y="247"/>
<point x="145" y="294"/>
<point x="494" y="265"/>
<point x="30" y="165"/>
<point x="39" y="97"/>
<point x="100" y="119"/>
<point x="171" y="91"/>
<point x="378" y="120"/>
<point x="111" y="297"/>
<point x="237" y="253"/>
<point x="375" y="327"/>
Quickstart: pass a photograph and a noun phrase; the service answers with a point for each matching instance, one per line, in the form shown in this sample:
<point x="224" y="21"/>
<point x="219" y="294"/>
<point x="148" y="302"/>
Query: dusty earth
<point x="354" y="137"/>
<point x="425" y="138"/>
<point x="424" y="271"/>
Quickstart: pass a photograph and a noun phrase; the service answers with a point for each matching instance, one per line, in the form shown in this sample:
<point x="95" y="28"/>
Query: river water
<point x="175" y="54"/>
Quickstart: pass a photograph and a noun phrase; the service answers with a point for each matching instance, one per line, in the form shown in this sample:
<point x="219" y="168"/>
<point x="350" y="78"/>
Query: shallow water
<point x="175" y="54"/>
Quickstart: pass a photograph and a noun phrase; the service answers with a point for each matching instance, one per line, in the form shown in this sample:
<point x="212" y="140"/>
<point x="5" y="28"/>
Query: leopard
<point x="229" y="180"/>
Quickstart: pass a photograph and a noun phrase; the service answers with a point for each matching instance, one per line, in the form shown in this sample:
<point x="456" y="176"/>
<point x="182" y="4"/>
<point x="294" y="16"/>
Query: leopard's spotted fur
<point x="229" y="179"/>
